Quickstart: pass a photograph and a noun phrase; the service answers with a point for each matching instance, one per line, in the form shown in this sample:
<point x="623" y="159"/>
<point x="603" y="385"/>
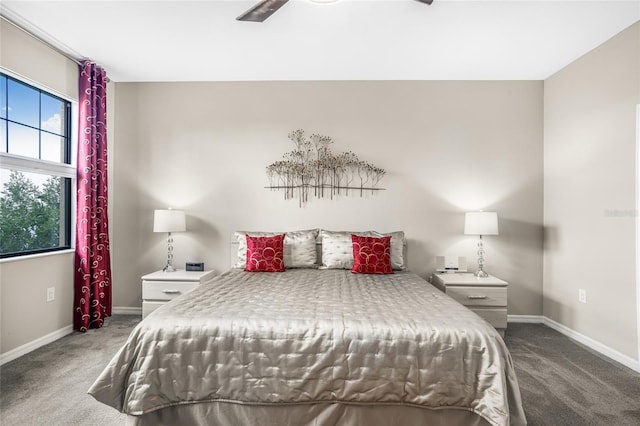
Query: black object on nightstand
<point x="195" y="266"/>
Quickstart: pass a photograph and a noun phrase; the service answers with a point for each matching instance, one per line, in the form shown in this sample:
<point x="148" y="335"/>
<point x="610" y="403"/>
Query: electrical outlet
<point x="582" y="295"/>
<point x="51" y="294"/>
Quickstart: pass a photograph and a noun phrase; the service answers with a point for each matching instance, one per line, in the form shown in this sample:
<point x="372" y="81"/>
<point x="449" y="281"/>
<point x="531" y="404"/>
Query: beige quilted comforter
<point x="308" y="336"/>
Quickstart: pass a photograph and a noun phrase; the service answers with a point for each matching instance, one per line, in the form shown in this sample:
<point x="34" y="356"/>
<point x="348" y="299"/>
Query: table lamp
<point x="481" y="223"/>
<point x="169" y="221"/>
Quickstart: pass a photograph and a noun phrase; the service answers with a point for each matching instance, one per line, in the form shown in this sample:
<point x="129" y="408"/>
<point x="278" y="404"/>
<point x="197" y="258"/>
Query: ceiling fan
<point x="265" y="8"/>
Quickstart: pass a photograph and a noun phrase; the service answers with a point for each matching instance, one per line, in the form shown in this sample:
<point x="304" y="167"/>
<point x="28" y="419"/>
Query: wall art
<point x="313" y="170"/>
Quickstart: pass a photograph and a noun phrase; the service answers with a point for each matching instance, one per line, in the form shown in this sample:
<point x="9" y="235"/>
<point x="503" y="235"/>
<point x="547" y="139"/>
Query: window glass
<point x="51" y="147"/>
<point x="23" y="104"/>
<point x="3" y="136"/>
<point x="36" y="180"/>
<point x="24" y="141"/>
<point x="52" y="114"/>
<point x="3" y="96"/>
<point x="33" y="211"/>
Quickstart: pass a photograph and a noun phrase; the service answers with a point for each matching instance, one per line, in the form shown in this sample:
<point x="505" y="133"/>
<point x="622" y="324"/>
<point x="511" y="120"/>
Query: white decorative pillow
<point x="299" y="248"/>
<point x="337" y="248"/>
<point x="397" y="248"/>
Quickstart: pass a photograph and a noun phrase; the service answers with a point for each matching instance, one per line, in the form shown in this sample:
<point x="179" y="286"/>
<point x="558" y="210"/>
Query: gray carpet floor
<point x="565" y="383"/>
<point x="562" y="382"/>
<point x="49" y="385"/>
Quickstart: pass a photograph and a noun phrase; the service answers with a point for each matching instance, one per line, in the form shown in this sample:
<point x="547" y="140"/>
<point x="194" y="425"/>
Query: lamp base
<point x="480" y="273"/>
<point x="169" y="268"/>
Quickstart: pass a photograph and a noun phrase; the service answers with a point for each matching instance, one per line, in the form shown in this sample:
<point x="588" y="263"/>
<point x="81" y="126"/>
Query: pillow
<point x="265" y="254"/>
<point x="241" y="238"/>
<point x="337" y="249"/>
<point x="371" y="255"/>
<point x="299" y="248"/>
<point x="397" y="248"/>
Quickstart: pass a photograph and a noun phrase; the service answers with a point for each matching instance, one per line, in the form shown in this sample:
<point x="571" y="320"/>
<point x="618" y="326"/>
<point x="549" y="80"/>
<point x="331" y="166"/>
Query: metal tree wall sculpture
<point x="311" y="168"/>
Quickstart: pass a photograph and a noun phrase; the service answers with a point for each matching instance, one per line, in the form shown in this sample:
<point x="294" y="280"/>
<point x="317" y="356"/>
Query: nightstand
<point x="160" y="287"/>
<point x="486" y="297"/>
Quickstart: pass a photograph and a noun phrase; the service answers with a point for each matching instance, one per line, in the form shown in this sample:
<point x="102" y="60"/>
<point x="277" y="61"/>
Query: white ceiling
<point x="144" y="40"/>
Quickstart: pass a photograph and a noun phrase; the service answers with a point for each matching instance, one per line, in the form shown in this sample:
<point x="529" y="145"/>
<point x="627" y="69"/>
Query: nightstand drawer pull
<point x="171" y="291"/>
<point x="477" y="297"/>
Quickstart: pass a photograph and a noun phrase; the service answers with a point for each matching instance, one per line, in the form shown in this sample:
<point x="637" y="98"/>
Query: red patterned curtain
<point x="92" y="301"/>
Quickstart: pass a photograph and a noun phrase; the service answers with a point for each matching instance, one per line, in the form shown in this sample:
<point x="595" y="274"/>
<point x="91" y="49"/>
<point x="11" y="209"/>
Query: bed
<point x="313" y="347"/>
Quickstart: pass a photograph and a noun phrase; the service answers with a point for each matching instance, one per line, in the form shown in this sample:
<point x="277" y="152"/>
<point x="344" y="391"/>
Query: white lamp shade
<point x="169" y="221"/>
<point x="481" y="223"/>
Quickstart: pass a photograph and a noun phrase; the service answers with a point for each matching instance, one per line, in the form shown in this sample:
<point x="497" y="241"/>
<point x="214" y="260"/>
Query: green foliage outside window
<point x="30" y="215"/>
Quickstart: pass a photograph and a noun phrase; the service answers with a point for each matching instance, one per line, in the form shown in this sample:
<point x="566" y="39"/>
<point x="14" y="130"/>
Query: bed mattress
<point x="314" y="337"/>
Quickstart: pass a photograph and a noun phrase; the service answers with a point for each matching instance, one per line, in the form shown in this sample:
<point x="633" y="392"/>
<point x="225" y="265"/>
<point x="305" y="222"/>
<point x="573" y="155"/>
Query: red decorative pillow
<point x="265" y="254"/>
<point x="371" y="255"/>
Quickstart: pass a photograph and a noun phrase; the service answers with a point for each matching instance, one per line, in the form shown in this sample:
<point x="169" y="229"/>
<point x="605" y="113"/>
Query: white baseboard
<point x="125" y="310"/>
<point x="35" y="344"/>
<point x="530" y="319"/>
<point x="55" y="335"/>
<point x="593" y="344"/>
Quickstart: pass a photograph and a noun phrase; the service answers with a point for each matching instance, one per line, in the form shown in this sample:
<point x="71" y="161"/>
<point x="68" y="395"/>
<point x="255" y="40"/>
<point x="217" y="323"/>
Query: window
<point x="36" y="171"/>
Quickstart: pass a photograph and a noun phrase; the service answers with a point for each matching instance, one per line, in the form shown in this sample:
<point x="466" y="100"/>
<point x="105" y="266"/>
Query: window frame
<point x="68" y="169"/>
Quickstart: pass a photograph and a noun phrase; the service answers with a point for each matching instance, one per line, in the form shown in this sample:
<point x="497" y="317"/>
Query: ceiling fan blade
<point x="426" y="1"/>
<point x="261" y="11"/>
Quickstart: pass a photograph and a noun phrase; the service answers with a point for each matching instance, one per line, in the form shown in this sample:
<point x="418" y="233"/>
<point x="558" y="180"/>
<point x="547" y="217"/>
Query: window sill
<point x="36" y="255"/>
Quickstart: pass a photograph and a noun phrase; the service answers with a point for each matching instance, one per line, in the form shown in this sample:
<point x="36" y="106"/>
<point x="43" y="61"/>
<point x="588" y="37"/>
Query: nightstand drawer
<point x="479" y="296"/>
<point x="497" y="317"/>
<point x="165" y="290"/>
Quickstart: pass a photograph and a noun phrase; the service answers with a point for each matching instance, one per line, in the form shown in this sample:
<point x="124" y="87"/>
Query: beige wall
<point x="25" y="315"/>
<point x="590" y="182"/>
<point x="447" y="147"/>
<point x="29" y="59"/>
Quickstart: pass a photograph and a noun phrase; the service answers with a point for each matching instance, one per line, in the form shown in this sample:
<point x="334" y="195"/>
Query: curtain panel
<point x="92" y="286"/>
